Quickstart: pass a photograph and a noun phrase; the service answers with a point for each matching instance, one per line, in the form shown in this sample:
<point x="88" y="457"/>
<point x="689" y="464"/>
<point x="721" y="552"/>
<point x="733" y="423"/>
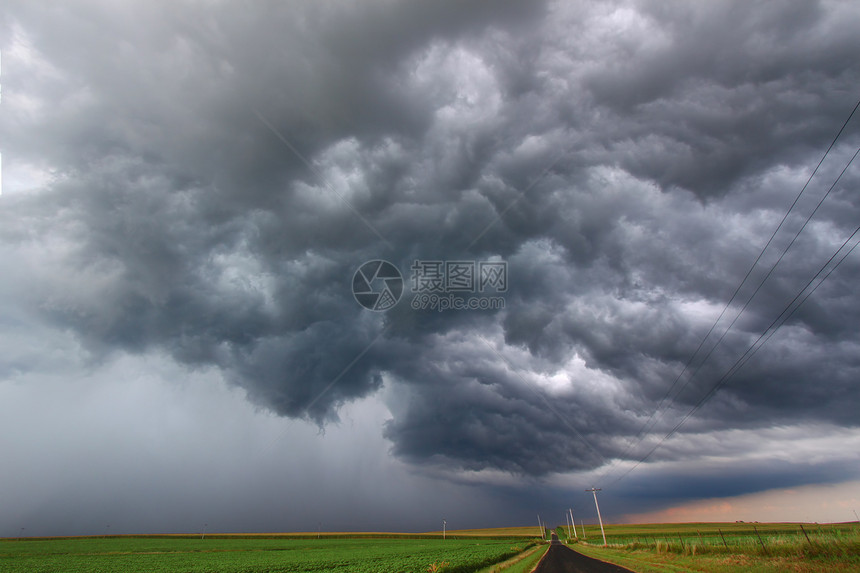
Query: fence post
<point x="804" y="534"/>
<point x="760" y="541"/>
<point x="723" y="538"/>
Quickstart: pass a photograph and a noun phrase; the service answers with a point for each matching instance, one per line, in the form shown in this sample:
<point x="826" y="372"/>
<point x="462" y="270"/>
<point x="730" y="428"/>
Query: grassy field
<point x="256" y="554"/>
<point x="727" y="547"/>
<point x="531" y="531"/>
<point x="700" y="547"/>
<point x="522" y="563"/>
<point x="624" y="533"/>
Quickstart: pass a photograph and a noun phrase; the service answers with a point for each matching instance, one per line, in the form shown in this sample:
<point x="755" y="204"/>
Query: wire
<point x="766" y="335"/>
<point x="767" y="276"/>
<point x="657" y="412"/>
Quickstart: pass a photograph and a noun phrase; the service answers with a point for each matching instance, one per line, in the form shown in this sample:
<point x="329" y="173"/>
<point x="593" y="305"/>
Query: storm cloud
<point x="201" y="184"/>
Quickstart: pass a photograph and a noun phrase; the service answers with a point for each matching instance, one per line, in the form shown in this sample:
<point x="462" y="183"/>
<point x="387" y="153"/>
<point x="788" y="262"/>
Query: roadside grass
<point x="253" y="555"/>
<point x="623" y="533"/>
<point x="525" y="562"/>
<point x="737" y="547"/>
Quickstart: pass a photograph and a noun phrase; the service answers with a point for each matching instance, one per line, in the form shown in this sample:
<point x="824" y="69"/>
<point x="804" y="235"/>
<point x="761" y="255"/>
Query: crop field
<point x="711" y="532"/>
<point x="530" y="531"/>
<point x="702" y="547"/>
<point x="727" y="547"/>
<point x="253" y="554"/>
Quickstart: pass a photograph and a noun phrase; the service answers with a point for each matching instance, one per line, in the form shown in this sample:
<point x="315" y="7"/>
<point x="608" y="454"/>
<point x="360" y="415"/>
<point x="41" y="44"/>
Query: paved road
<point x="562" y="559"/>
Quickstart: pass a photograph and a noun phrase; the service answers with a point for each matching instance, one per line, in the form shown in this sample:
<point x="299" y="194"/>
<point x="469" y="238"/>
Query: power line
<point x="766" y="277"/>
<point x="651" y="420"/>
<point x="783" y="317"/>
<point x="764" y="337"/>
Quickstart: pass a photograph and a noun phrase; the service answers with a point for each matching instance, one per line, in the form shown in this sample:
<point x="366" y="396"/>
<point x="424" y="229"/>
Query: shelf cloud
<point x="200" y="184"/>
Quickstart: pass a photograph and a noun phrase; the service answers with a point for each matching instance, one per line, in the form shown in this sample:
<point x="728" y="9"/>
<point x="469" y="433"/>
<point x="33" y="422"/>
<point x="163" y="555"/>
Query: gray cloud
<point x="628" y="160"/>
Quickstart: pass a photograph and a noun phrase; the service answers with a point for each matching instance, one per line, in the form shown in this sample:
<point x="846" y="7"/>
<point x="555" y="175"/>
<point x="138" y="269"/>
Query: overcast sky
<point x="190" y="187"/>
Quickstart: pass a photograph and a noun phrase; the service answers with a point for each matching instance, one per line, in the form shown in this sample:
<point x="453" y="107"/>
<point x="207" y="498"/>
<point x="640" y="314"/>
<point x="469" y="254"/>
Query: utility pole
<point x="567" y="520"/>
<point x="573" y="522"/>
<point x="444" y="525"/>
<point x="600" y="519"/>
<point x="540" y="527"/>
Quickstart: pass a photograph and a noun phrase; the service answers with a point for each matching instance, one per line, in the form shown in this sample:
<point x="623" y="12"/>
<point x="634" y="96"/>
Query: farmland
<point x="254" y="554"/>
<point x="727" y="547"/>
<point x="649" y="548"/>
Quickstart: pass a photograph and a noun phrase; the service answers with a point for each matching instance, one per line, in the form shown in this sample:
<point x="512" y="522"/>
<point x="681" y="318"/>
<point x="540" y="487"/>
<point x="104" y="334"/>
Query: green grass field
<point x="701" y="547"/>
<point x="727" y="547"/>
<point x="241" y="554"/>
<point x="531" y="531"/>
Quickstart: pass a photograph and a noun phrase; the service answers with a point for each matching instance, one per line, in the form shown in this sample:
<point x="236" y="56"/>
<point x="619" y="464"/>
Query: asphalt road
<point x="561" y="559"/>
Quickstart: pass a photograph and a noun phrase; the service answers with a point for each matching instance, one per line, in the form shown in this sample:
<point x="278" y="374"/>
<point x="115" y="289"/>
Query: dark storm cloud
<point x="627" y="160"/>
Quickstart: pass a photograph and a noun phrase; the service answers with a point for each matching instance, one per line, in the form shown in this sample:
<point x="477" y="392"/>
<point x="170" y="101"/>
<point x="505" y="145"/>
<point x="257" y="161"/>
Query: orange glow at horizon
<point x="830" y="503"/>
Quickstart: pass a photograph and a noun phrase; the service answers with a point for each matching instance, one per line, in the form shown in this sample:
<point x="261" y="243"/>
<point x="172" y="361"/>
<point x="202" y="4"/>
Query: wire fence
<point x="806" y="540"/>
